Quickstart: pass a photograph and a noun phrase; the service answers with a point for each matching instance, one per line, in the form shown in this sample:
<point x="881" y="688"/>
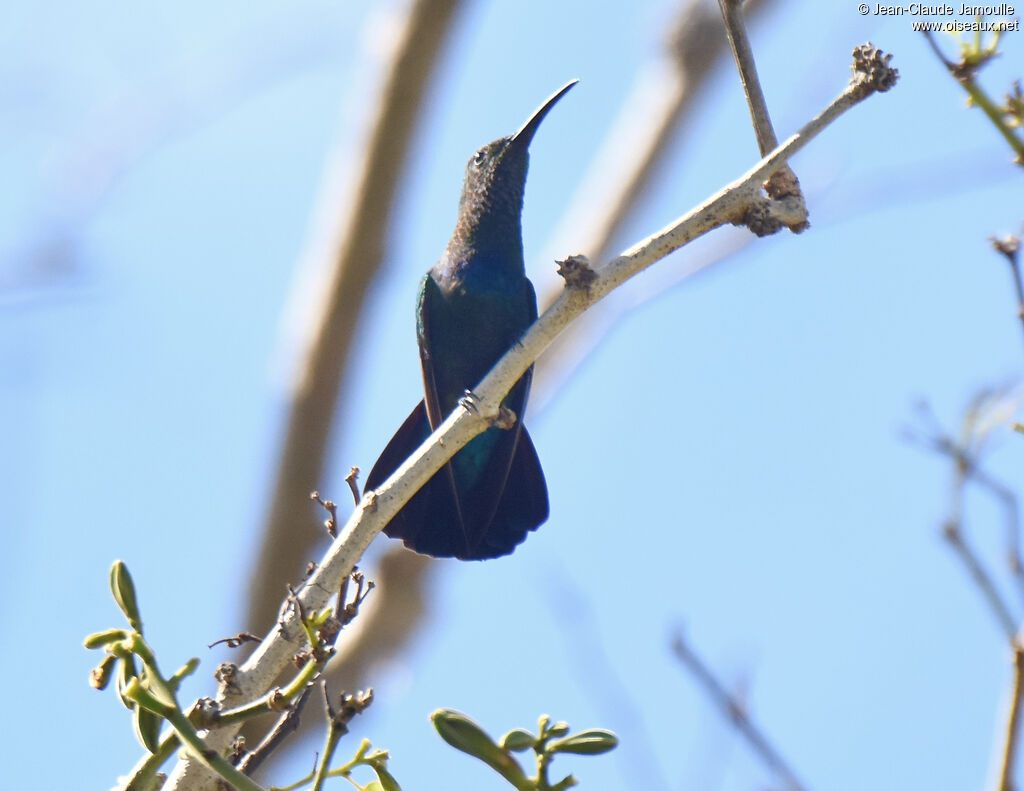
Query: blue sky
<point x="729" y="460"/>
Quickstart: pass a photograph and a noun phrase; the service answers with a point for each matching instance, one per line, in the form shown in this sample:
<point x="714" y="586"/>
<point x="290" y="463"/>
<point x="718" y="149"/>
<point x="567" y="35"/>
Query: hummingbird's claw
<point x="469" y="402"/>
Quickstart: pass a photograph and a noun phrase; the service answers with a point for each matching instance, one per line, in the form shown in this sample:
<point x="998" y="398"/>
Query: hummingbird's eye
<point x="480" y="156"/>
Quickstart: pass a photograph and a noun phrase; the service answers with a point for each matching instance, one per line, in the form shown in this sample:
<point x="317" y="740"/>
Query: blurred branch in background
<point x="732" y="709"/>
<point x="344" y="257"/>
<point x="990" y="410"/>
<point x="640" y="764"/>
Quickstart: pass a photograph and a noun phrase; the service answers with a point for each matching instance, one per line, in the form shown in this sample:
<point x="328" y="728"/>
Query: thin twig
<point x="950" y="65"/>
<point x="1009" y="248"/>
<point x="331" y="523"/>
<point x="735" y="203"/>
<point x="352" y="479"/>
<point x="989" y="408"/>
<point x="388" y="622"/>
<point x="736" y="28"/>
<point x="1008" y="498"/>
<point x="338" y="718"/>
<point x="981" y="577"/>
<point x="783" y="183"/>
<point x="734" y="711"/>
<point x="965" y="470"/>
<point x="285" y="726"/>
<point x="964" y="73"/>
<point x="1008" y="755"/>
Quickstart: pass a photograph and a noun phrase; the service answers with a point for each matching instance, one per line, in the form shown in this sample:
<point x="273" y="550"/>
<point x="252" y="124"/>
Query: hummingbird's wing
<point x="414" y="524"/>
<point x="431" y="521"/>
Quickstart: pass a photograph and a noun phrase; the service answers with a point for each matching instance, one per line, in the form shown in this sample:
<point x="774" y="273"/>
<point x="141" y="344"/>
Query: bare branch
<point x="784" y="182"/>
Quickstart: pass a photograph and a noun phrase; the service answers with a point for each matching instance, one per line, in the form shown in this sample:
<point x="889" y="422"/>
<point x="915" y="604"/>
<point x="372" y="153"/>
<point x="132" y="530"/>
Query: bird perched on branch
<point x="473" y="305"/>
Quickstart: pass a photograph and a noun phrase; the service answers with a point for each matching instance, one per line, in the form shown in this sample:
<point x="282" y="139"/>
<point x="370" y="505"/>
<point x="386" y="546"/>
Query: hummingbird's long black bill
<point x="527" y="130"/>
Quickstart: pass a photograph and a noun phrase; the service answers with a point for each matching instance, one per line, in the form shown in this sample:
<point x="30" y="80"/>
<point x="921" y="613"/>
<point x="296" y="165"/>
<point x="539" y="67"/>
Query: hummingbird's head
<point x="495" y="181"/>
<point x="492" y="192"/>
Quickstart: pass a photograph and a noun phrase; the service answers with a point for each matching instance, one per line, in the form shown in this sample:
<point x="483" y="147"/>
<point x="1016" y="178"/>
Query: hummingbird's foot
<point x="470" y="402"/>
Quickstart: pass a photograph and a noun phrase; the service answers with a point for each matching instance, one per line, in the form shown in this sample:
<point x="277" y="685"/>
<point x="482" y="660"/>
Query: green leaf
<point x="147" y="728"/>
<point x="128" y="675"/>
<point x="123" y="588"/>
<point x="592" y="742"/>
<point x="174" y="682"/>
<point x="386" y="779"/>
<point x="100" y="639"/>
<point x="463" y="734"/>
<point x="518" y="740"/>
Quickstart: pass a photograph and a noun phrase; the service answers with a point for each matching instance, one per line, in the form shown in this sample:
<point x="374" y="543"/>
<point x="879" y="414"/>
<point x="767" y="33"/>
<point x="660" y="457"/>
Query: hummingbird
<point x="473" y="305"/>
